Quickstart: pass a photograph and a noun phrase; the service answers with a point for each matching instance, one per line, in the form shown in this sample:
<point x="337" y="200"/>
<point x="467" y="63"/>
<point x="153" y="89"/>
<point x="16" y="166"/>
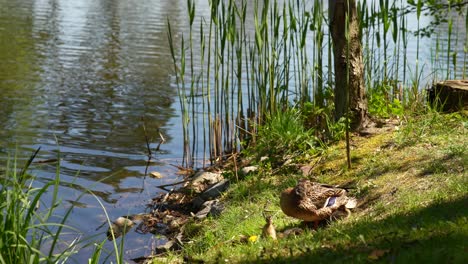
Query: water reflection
<point x="77" y="77"/>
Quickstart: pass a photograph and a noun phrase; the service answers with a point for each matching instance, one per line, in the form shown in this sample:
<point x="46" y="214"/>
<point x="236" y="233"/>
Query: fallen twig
<point x="150" y="154"/>
<point x="171" y="184"/>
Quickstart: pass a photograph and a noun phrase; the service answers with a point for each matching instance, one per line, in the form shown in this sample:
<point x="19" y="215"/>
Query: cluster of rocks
<point x="196" y="199"/>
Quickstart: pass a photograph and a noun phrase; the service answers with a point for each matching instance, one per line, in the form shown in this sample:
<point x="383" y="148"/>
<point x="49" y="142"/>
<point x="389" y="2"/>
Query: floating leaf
<point x="156" y="175"/>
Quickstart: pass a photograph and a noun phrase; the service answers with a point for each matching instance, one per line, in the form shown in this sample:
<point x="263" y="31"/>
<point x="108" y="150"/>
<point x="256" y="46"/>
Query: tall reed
<point x="255" y="58"/>
<point x="465" y="48"/>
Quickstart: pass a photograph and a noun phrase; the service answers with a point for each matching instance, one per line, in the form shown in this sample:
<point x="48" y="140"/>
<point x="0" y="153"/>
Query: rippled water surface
<point x="81" y="78"/>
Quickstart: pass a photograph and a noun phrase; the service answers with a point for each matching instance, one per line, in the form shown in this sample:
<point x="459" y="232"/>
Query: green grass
<point x="283" y="134"/>
<point x="29" y="233"/>
<point x="30" y="230"/>
<point x="413" y="191"/>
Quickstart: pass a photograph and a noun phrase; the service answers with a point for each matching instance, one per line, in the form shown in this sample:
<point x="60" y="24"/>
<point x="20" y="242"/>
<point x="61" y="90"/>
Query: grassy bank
<point x="409" y="176"/>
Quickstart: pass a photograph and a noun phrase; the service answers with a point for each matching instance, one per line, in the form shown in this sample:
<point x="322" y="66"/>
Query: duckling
<point x="269" y="230"/>
<point x="313" y="202"/>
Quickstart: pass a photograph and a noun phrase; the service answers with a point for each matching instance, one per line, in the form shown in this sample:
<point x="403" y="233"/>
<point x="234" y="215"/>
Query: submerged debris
<point x="119" y="227"/>
<point x="171" y="210"/>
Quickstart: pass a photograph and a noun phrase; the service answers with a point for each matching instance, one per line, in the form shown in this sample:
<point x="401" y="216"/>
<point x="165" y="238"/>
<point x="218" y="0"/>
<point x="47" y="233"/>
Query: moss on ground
<point x="412" y="185"/>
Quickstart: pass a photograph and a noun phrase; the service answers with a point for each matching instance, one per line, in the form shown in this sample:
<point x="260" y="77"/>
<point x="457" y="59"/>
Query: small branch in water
<point x="171" y="184"/>
<point x="162" y="141"/>
<point x="146" y="173"/>
<point x="150" y="154"/>
<point x="45" y="161"/>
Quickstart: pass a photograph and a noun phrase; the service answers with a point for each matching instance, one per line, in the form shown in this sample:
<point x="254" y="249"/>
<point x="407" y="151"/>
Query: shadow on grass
<point x="434" y="234"/>
<point x="444" y="164"/>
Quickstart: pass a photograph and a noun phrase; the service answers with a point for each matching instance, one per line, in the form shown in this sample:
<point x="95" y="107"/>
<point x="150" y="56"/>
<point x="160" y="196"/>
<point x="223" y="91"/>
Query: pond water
<point x="81" y="78"/>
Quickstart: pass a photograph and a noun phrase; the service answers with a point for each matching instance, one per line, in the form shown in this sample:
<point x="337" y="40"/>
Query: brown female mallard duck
<point x="313" y="202"/>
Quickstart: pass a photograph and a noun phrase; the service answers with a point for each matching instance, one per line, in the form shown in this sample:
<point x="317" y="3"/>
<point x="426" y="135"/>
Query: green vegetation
<point x="28" y="233"/>
<point x="411" y="182"/>
<point x="284" y="134"/>
<point x="269" y="92"/>
<point x="30" y="230"/>
<point x="249" y="60"/>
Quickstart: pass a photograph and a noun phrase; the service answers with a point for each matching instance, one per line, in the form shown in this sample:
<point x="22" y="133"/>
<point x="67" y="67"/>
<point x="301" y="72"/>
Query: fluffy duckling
<point x="269" y="230"/>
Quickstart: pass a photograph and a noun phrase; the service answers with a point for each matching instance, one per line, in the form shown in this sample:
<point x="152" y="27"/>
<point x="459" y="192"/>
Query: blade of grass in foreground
<point x="24" y="229"/>
<point x="118" y="250"/>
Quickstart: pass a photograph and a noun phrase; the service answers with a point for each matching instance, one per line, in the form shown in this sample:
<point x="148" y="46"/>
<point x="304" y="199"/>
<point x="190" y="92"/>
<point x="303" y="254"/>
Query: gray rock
<point x="156" y="175"/>
<point x="203" y="180"/>
<point x="216" y="209"/>
<point x="119" y="227"/>
<point x="246" y="170"/>
<point x="197" y="202"/>
<point x="215" y="190"/>
<point x="213" y="208"/>
<point x="203" y="213"/>
<point x="170" y="245"/>
<point x="211" y="193"/>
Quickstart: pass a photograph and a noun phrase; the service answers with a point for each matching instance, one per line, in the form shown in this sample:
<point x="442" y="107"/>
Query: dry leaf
<point x="377" y="253"/>
<point x="156" y="175"/>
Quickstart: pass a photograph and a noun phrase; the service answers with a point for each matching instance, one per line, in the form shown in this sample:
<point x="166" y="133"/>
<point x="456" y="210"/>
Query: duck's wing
<point x="318" y="213"/>
<point x="331" y="191"/>
<point x="315" y="193"/>
<point x="307" y="199"/>
<point x="312" y="196"/>
<point x="319" y="191"/>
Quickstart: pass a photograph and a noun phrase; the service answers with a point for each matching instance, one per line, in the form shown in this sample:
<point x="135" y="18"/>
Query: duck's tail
<point x="352" y="203"/>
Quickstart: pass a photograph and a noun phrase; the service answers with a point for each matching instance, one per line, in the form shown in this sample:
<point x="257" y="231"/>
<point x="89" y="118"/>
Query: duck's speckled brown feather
<point x="307" y="201"/>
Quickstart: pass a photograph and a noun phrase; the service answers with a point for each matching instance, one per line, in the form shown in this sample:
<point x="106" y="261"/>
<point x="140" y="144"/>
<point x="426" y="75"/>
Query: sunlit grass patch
<point x="412" y="204"/>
